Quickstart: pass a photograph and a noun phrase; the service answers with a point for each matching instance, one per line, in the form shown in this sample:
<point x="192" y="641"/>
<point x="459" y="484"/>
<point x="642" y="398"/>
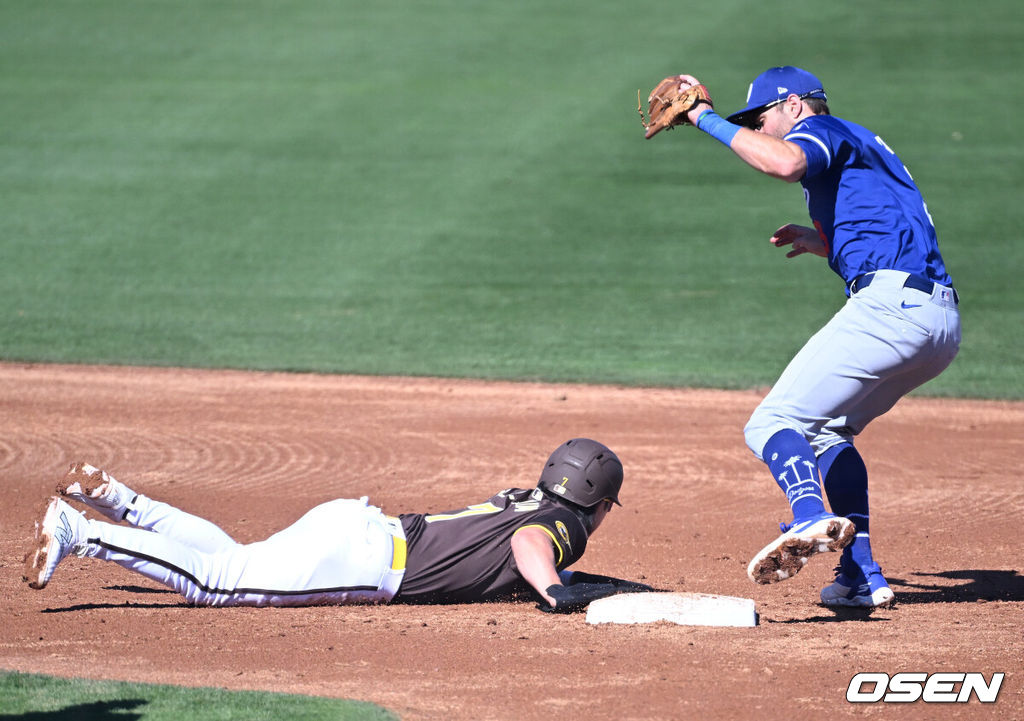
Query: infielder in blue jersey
<point x="898" y="329"/>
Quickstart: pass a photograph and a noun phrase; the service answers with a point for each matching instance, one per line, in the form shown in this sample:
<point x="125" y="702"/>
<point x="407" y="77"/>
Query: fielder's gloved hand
<point x="668" y="104"/>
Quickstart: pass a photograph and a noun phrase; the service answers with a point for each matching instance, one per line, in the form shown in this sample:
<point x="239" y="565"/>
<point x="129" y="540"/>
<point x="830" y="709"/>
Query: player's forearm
<point x="765" y="153"/>
<point x="535" y="560"/>
<point x="772" y="156"/>
<point x="539" y="578"/>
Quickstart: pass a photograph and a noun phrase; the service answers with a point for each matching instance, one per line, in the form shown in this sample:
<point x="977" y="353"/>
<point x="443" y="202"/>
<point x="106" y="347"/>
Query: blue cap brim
<point x="746" y="116"/>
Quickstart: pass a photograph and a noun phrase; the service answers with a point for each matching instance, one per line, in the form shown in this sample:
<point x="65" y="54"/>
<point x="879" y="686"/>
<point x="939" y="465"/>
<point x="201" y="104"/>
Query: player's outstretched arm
<point x="762" y="151"/>
<point x="534" y="553"/>
<point x="772" y="156"/>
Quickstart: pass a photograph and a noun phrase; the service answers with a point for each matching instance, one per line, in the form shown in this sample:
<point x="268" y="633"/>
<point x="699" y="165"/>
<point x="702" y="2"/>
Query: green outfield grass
<point x="462" y="188"/>
<point x="31" y="696"/>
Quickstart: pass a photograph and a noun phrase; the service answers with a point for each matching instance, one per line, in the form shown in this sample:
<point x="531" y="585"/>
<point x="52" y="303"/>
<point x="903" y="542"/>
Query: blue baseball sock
<point x="846" y="485"/>
<point x="792" y="463"/>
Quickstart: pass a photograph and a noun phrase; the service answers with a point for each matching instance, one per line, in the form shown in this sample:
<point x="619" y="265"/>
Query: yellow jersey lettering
<point x="478" y="509"/>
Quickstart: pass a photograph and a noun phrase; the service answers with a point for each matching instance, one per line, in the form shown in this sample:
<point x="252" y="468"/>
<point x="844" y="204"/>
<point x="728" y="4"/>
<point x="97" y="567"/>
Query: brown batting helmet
<point x="583" y="472"/>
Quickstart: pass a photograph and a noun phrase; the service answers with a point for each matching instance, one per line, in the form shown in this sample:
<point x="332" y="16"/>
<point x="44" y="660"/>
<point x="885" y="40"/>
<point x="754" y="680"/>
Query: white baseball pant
<point x="340" y="552"/>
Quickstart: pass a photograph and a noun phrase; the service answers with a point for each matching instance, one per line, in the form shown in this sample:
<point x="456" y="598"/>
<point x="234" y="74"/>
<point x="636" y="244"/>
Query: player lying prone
<point x="519" y="542"/>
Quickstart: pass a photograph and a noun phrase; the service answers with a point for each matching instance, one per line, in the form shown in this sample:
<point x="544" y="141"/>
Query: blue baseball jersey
<point x="864" y="203"/>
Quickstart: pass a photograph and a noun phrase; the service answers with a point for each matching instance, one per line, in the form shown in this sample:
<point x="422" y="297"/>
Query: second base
<point x="685" y="609"/>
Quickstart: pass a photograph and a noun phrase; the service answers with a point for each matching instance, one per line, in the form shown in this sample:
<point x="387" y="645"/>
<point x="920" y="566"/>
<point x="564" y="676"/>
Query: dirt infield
<point x="253" y="451"/>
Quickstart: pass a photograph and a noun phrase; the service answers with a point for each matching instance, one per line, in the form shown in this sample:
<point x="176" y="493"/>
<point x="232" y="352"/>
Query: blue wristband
<point x="717" y="127"/>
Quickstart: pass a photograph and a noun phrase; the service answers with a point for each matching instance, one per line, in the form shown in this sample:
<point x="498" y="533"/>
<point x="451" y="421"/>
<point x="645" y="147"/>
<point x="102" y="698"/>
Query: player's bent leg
<point x="791" y="461"/>
<point x="100" y="491"/>
<point x="845" y="478"/>
<point x="63" y="531"/>
<point x="867" y="346"/>
<point x="341" y="552"/>
<point x="201" y="578"/>
<point x="910" y="344"/>
<point x="822" y="379"/>
<point x="184" y="527"/>
<point x="859" y="581"/>
<point x="804" y="398"/>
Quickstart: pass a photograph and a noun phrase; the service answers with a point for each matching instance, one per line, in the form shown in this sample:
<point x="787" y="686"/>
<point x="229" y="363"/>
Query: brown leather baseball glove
<point x="668" y="104"/>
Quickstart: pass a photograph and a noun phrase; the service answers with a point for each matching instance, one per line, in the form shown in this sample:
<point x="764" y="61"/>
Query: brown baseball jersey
<point x="466" y="555"/>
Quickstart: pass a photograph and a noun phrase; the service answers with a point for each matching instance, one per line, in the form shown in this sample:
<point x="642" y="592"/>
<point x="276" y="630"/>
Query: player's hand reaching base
<point x="802" y="238"/>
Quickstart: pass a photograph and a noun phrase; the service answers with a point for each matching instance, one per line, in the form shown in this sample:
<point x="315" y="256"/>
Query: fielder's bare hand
<point x="802" y="238"/>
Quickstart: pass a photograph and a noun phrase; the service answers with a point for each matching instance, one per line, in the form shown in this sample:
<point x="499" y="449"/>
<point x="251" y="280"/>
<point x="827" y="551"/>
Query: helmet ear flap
<point x="583" y="472"/>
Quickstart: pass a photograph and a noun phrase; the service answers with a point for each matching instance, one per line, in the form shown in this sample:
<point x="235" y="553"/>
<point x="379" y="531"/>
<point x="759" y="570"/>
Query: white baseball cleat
<point x="786" y="555"/>
<point x="61" y="532"/>
<point x="98" y="490"/>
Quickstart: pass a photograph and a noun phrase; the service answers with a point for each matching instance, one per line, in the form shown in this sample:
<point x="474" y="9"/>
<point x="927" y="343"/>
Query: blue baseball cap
<point x="772" y="87"/>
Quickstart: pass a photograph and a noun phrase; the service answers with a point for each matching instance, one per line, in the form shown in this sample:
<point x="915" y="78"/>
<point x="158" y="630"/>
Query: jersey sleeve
<point x="567" y="534"/>
<point x="815" y="142"/>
